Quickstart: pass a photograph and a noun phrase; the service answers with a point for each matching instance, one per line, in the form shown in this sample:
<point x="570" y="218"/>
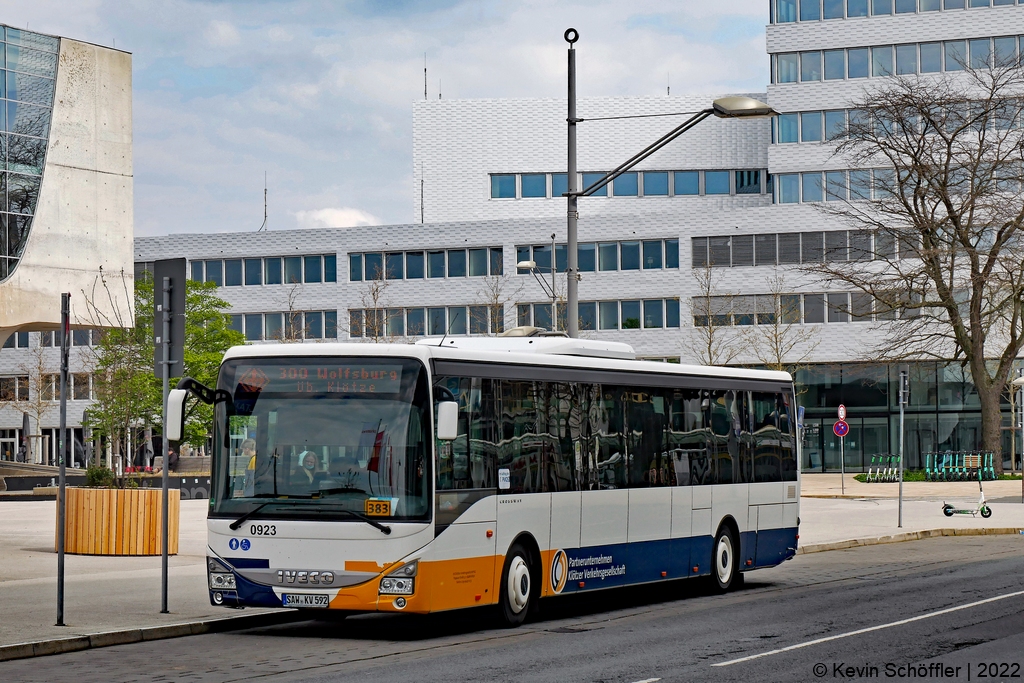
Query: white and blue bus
<point x="450" y="474"/>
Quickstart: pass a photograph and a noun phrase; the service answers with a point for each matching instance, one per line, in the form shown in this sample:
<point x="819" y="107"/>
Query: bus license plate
<point x="378" y="507"/>
<point x="304" y="600"/>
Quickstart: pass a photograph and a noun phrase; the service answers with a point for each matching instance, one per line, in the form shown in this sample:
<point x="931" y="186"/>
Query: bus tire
<point x="517" y="589"/>
<point x="724" y="568"/>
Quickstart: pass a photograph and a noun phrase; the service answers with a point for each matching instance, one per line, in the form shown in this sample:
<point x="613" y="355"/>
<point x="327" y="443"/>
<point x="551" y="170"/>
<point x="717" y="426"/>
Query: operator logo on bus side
<point x="559" y="570"/>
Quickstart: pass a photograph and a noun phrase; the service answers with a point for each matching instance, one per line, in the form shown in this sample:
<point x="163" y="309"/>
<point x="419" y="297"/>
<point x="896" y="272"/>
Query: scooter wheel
<point x="948" y="510"/>
<point x="986" y="511"/>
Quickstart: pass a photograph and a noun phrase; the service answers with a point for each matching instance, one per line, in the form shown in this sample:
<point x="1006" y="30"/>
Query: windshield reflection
<point x="333" y="448"/>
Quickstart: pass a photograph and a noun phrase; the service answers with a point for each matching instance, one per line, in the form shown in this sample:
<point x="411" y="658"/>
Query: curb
<point x="908" y="536"/>
<point x="41" y="648"/>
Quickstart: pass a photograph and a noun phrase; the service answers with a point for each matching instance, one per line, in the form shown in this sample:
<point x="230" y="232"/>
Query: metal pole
<point x="904" y="378"/>
<point x="842" y="465"/>
<point x="165" y="341"/>
<point x="65" y="342"/>
<point x="1021" y="372"/>
<point x="554" y="295"/>
<point x="572" y="300"/>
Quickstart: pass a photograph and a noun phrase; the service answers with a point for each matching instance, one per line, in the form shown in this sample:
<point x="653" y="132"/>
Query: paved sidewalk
<point x="102" y="594"/>
<point x="868" y="512"/>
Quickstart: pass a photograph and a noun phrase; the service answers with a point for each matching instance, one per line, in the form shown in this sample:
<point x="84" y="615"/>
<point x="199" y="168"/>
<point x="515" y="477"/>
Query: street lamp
<point x="549" y="289"/>
<point x="724" y="107"/>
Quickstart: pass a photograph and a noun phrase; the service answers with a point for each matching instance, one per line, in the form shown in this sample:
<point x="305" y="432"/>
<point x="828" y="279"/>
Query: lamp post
<point x="725" y="107"/>
<point x="549" y="289"/>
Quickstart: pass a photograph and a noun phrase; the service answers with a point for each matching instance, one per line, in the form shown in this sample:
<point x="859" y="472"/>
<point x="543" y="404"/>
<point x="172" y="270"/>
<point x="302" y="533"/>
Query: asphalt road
<point x="676" y="633"/>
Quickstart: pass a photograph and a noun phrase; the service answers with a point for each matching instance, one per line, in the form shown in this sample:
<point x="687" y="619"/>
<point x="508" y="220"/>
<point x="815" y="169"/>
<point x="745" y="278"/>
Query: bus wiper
<point x="386" y="530"/>
<point x="241" y="520"/>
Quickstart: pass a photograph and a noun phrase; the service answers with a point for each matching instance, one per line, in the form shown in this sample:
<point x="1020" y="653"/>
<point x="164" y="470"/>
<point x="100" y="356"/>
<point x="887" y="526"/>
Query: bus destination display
<point x="328" y="378"/>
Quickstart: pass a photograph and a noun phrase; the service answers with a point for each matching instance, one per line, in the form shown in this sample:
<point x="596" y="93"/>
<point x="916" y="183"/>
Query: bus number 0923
<point x="263" y="530"/>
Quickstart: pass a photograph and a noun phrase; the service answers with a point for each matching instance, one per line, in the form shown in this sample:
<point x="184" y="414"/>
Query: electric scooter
<point x="984" y="509"/>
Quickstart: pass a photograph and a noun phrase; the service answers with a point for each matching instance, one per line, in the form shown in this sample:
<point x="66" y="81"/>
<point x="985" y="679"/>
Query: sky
<point x="316" y="97"/>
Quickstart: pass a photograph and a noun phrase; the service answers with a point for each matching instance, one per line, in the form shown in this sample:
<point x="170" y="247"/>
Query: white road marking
<point x="929" y="615"/>
<point x="648" y="680"/>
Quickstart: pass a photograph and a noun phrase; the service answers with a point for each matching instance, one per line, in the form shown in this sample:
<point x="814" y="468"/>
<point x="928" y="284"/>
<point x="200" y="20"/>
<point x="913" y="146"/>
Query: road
<point x="678" y="632"/>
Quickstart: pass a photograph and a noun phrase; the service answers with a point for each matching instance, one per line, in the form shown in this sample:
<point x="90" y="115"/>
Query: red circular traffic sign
<point x="841" y="428"/>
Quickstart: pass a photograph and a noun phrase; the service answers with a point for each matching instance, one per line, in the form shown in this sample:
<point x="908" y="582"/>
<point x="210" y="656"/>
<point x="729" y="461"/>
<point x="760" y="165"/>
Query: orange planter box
<point x="118" y="522"/>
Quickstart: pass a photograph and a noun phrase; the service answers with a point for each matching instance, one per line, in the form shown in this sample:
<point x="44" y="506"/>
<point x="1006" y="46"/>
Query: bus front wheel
<point x="724" y="567"/>
<point x="516" y="586"/>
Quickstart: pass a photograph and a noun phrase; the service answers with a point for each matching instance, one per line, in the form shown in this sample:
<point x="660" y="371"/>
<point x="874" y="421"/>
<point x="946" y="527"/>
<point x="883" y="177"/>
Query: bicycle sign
<point x="841" y="428"/>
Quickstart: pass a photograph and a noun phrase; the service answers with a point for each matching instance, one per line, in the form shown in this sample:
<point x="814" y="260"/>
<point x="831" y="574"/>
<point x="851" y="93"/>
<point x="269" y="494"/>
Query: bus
<point x="488" y="471"/>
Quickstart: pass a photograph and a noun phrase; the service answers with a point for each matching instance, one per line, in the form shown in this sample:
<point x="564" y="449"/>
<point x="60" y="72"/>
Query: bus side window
<point x="767" y="453"/>
<point x="645" y="429"/>
<point x="468" y="462"/>
<point x="723" y="444"/>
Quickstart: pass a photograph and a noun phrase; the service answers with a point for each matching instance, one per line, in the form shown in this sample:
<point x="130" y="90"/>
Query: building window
<point x="503" y="186"/>
<point x="748" y="182"/>
<point x="835" y="64"/>
<point x="416" y="322"/>
<point x="716" y="182"/>
<point x="253" y="326"/>
<point x="197" y="271"/>
<point x="810" y="10"/>
<point x="456" y="263"/>
<point x="559" y="184"/>
<point x="631" y="315"/>
<point x="414" y="265"/>
<point x="654" y="313"/>
<point x="588" y="315"/>
<point x="313" y="272"/>
<point x="687" y="182"/>
<point x="395" y="265"/>
<point x="14" y="388"/>
<point x="233" y="273"/>
<point x="534" y="185"/>
<point x="435" y="264"/>
<point x="81" y="386"/>
<point x="608" y="315"/>
<point x="330" y="268"/>
<point x="497" y="260"/>
<point x="293" y="269"/>
<point x="477" y="262"/>
<point x="215" y="272"/>
<point x="810" y="66"/>
<point x="274" y="274"/>
<point x="630" y="255"/>
<point x="373" y="264"/>
<point x="652" y="254"/>
<point x="626" y="185"/>
<point x="655" y="183"/>
<point x="436" y="321"/>
<point x="787" y="67"/>
<point x="591" y="178"/>
<point x="253" y="271"/>
<point x="857" y="62"/>
<point x="608" y="255"/>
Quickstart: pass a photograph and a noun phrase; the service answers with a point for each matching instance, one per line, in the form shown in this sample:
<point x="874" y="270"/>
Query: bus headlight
<point x="400" y="581"/>
<point x="220" y="577"/>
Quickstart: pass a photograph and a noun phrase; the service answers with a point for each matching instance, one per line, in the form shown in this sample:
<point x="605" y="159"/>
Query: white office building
<point x="738" y="198"/>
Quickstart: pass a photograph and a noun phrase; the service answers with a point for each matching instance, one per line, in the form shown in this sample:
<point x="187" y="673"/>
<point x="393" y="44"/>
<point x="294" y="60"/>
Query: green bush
<point x="99" y="477"/>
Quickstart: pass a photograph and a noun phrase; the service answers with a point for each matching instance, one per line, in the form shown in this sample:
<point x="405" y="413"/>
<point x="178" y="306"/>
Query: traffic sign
<point x="841" y="428"/>
<point x="842" y="412"/>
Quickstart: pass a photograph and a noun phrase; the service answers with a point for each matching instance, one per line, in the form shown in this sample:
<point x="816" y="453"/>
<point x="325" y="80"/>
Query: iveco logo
<point x="296" y="576"/>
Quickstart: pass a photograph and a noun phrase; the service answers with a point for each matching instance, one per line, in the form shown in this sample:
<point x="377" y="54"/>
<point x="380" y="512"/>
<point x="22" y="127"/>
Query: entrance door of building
<point x="8" y="444"/>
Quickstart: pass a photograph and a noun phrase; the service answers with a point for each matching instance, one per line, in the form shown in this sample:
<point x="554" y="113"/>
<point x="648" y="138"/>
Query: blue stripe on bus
<point x="622" y="564"/>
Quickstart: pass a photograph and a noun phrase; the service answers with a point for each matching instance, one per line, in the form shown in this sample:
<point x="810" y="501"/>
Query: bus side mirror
<point x="175" y="426"/>
<point x="447" y="420"/>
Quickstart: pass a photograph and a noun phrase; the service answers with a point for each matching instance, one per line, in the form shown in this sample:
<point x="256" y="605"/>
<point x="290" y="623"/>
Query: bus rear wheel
<point x="724" y="569"/>
<point x="516" y="586"/>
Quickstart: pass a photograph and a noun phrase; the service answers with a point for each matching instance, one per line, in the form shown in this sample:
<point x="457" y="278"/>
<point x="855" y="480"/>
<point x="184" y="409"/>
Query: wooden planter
<point x="118" y="522"/>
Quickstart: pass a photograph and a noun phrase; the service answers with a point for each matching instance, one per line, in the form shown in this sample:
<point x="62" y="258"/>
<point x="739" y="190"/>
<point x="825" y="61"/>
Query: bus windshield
<point x="322" y="438"/>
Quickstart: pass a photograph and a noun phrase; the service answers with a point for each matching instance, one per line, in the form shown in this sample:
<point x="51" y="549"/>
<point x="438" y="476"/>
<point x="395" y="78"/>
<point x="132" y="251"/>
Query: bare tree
<point x="376" y="300"/>
<point x="497" y="293"/>
<point x="712" y="340"/>
<point x="938" y="246"/>
<point x="778" y="340"/>
<point x="44" y="389"/>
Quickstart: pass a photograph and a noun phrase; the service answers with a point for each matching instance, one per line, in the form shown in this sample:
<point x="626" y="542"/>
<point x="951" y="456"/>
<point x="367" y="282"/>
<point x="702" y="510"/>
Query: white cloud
<point x="342" y="217"/>
<point x="222" y="34"/>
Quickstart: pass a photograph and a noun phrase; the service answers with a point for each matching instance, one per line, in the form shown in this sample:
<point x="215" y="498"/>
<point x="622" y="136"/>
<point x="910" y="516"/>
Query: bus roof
<point x="504" y="351"/>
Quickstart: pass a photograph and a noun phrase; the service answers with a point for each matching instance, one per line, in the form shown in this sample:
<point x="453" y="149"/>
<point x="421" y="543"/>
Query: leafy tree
<point x="937" y="250"/>
<point x="128" y="393"/>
